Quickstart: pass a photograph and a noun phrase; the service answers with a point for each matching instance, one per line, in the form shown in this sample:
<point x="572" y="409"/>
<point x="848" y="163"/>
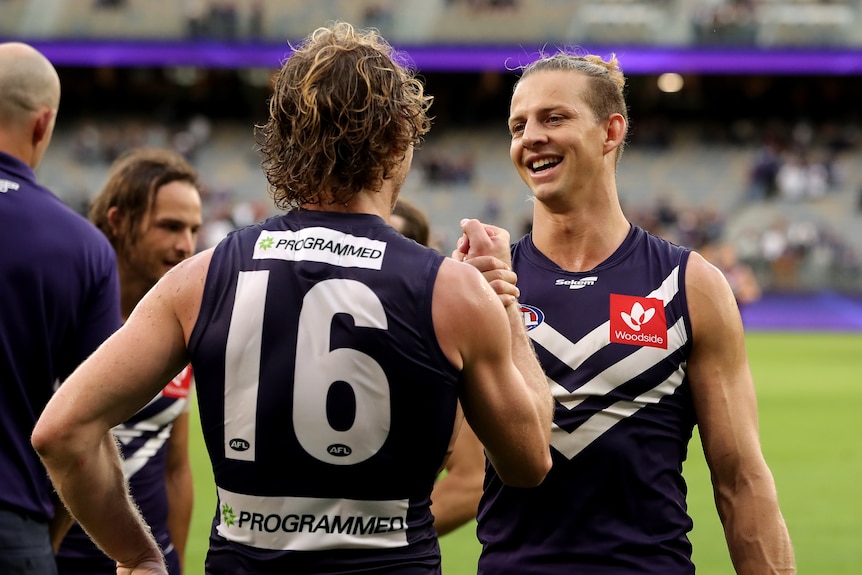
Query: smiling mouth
<point x="544" y="164"/>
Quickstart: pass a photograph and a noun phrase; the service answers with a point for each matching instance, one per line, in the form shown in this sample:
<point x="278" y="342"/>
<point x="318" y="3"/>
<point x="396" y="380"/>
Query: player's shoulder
<point x="462" y="292"/>
<point x="711" y="304"/>
<point x="454" y="274"/>
<point x="703" y="275"/>
<point x="193" y="269"/>
<point x="185" y="281"/>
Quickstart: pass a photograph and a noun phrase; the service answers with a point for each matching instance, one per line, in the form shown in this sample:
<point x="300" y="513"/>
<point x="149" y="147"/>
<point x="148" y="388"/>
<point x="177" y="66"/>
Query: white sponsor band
<point x="311" y="524"/>
<point x="322" y="245"/>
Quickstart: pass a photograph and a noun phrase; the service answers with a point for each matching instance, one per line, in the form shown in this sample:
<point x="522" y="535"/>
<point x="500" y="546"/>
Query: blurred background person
<point x="150" y="210"/>
<point x="411" y="222"/>
<point x="743" y="282"/>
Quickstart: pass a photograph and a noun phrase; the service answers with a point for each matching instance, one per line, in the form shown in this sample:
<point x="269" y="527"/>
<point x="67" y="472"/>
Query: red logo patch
<point x="179" y="386"/>
<point x="638" y="321"/>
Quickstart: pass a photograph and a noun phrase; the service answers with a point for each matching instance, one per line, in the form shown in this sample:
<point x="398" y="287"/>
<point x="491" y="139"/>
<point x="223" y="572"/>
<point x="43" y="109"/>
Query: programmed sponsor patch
<point x="322" y="245"/>
<point x="638" y="321"/>
<point x="311" y="523"/>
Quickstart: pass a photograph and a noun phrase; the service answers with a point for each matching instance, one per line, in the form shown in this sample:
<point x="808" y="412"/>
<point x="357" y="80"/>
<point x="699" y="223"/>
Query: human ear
<point x="114" y="220"/>
<point x="616" y="132"/>
<point x="43" y="127"/>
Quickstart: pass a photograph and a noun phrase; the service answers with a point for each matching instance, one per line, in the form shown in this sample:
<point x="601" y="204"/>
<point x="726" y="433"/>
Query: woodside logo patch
<point x="638" y="321"/>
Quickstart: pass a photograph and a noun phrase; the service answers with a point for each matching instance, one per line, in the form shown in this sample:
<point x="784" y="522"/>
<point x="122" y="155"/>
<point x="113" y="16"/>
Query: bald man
<point x="59" y="299"/>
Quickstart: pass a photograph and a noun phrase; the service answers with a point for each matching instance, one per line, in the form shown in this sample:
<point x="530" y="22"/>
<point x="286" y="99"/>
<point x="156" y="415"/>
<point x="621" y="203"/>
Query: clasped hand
<point x="488" y="249"/>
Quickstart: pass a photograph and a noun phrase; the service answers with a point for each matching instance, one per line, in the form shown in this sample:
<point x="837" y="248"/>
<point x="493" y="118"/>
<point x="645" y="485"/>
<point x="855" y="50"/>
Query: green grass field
<point x="809" y="389"/>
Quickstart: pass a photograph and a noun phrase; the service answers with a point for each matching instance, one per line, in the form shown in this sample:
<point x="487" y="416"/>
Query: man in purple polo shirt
<point x="59" y="299"/>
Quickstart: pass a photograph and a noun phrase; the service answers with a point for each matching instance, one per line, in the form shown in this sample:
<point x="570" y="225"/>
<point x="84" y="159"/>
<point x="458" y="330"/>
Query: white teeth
<point x="538" y="164"/>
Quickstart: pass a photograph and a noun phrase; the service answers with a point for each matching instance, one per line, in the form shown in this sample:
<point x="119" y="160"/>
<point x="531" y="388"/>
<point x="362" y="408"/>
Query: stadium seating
<point x="769" y="23"/>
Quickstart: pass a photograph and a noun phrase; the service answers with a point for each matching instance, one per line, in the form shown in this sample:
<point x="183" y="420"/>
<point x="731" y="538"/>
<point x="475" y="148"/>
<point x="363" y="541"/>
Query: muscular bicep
<point x="719" y="372"/>
<point x="474" y="331"/>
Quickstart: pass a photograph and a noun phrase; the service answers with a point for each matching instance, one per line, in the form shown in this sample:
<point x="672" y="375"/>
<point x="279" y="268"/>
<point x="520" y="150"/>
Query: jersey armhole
<point x="435" y="351"/>
<point x="683" y="296"/>
<point x="210" y="296"/>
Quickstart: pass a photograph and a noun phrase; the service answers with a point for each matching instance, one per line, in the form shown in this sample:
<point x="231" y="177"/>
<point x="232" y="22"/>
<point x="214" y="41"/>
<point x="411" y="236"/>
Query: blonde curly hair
<point x="343" y="114"/>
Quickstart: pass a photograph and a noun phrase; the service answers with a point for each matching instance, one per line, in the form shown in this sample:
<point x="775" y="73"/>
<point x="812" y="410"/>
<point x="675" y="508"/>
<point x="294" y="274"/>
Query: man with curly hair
<point x="329" y="351"/>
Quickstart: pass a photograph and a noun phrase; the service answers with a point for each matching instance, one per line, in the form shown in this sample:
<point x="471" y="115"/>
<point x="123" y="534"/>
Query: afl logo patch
<point x="239" y="444"/>
<point x="533" y="316"/>
<point x="339" y="450"/>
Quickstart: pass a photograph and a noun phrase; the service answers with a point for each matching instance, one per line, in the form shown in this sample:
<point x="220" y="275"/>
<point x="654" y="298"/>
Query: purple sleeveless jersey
<point x="614" y="343"/>
<point x="326" y="402"/>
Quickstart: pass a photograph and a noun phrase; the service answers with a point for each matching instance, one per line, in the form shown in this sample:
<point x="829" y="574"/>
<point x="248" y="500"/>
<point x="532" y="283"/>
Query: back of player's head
<point x="29" y="99"/>
<point x="343" y="114"/>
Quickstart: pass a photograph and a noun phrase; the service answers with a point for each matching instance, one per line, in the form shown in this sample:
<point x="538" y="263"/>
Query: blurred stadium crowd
<point x="661" y="22"/>
<point x="761" y="172"/>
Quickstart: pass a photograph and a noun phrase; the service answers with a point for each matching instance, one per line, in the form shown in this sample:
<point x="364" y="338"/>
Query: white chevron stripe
<point x="134" y="462"/>
<point x="570" y="444"/>
<point x="624" y="370"/>
<point x="573" y="355"/>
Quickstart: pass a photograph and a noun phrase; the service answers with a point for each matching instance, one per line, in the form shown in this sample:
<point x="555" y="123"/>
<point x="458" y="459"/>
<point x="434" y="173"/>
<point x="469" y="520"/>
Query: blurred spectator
<point x="223" y="22"/>
<point x="256" y="19"/>
<point x="764" y="172"/>
<point x="725" y="22"/>
<point x="378" y="15"/>
<point x="799" y="178"/>
<point x="739" y="275"/>
<point x="440" y="167"/>
<point x="411" y="222"/>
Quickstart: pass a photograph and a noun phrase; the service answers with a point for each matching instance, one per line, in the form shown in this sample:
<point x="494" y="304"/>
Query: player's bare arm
<point x="509" y="410"/>
<point x="726" y="407"/>
<point x="73" y="435"/>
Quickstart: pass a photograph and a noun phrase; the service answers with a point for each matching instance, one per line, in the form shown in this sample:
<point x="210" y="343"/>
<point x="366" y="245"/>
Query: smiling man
<point x="641" y="340"/>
